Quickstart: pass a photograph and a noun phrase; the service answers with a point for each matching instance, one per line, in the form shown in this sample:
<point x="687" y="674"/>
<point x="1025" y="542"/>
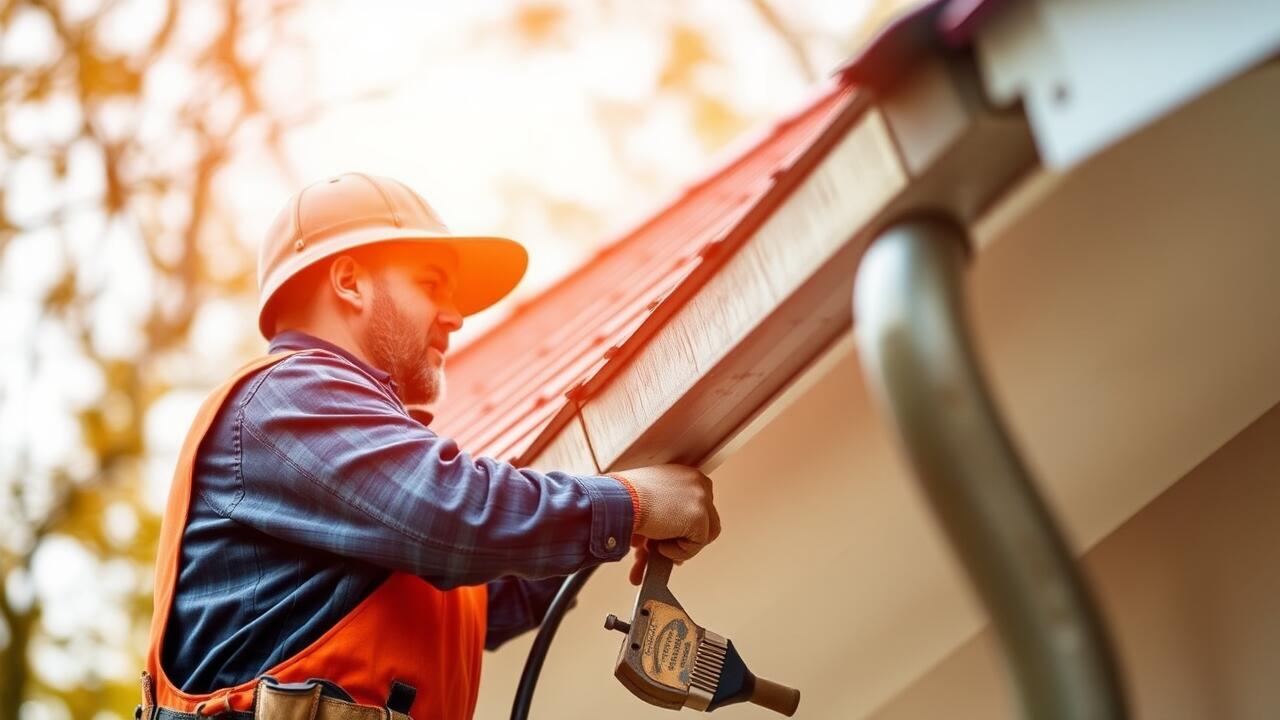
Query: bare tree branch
<point x="789" y="37"/>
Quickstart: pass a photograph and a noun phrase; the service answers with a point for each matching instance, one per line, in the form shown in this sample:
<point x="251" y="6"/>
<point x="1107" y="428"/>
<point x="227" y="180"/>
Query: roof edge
<point x="732" y="156"/>
<point x="783" y="185"/>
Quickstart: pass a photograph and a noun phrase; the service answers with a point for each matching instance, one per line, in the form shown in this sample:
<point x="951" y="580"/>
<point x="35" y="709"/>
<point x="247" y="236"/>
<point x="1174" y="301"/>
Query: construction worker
<point x="323" y="552"/>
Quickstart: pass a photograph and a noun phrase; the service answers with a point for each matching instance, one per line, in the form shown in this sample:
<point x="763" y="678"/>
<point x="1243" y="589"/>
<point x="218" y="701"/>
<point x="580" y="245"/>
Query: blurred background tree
<point x="127" y="260"/>
<point x="117" y="122"/>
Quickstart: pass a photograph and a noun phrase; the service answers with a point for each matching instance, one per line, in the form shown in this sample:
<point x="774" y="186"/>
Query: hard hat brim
<point x="489" y="267"/>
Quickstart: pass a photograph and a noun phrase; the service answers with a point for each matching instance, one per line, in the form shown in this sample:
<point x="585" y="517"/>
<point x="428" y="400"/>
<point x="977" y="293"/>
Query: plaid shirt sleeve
<point x="330" y="459"/>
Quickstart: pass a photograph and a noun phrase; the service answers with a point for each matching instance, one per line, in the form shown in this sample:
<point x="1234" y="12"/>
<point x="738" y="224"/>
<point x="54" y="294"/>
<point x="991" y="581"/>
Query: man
<point x="317" y="528"/>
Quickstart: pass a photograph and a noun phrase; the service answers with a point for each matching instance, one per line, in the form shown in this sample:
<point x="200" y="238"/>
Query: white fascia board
<point x="854" y="182"/>
<point x="1090" y="72"/>
<point x="568" y="451"/>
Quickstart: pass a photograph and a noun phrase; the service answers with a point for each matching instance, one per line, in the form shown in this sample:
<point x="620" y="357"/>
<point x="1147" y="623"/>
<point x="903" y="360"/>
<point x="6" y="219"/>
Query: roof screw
<point x="1061" y="94"/>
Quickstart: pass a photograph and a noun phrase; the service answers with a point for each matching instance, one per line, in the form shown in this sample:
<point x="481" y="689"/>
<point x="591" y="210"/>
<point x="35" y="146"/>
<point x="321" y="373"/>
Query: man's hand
<point x="676" y="512"/>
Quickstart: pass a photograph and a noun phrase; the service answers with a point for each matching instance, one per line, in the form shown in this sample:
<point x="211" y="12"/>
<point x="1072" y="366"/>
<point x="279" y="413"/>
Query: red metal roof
<point x="514" y="387"/>
<point x="510" y="386"/>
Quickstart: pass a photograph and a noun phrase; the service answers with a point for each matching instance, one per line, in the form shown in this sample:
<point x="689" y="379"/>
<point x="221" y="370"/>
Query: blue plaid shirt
<point x="314" y="483"/>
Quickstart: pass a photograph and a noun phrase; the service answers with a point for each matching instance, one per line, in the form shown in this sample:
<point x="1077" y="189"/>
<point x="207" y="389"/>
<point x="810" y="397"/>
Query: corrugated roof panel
<point x="508" y="386"/>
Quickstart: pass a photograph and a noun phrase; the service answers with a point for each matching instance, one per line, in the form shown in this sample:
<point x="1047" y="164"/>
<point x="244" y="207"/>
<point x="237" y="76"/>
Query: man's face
<point x="411" y="316"/>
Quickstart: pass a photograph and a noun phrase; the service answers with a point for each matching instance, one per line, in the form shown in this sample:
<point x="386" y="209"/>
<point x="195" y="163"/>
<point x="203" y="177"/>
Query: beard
<point x="400" y="348"/>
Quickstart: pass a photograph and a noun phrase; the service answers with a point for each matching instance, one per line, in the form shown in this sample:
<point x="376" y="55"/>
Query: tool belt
<point x="314" y="699"/>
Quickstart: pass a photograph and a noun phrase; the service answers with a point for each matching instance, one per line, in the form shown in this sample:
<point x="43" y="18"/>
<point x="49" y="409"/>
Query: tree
<point x="117" y="124"/>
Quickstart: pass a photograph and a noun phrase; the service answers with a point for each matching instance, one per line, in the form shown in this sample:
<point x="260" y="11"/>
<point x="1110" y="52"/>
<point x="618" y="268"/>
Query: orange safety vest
<point x="406" y="631"/>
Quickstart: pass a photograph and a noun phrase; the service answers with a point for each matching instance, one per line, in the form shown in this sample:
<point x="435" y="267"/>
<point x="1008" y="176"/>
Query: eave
<point x="778" y="293"/>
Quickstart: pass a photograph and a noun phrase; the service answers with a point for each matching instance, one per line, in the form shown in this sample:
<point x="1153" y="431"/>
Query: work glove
<point x="676" y="512"/>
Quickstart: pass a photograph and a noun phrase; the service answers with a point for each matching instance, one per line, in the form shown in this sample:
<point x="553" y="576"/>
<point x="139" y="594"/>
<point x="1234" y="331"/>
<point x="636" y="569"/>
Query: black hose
<point x="542" y="643"/>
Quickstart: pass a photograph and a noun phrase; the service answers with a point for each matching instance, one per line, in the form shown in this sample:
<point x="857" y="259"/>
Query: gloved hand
<point x="676" y="509"/>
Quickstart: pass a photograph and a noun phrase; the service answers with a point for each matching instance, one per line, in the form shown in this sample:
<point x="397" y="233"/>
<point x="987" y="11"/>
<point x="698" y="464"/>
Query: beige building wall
<point x="1191" y="586"/>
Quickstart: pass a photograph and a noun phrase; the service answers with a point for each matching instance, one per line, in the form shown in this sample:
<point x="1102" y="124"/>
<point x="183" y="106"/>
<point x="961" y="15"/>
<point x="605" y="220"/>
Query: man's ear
<point x="346" y="278"/>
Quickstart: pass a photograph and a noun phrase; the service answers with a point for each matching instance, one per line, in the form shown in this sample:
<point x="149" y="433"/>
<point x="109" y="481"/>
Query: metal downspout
<point x="908" y="309"/>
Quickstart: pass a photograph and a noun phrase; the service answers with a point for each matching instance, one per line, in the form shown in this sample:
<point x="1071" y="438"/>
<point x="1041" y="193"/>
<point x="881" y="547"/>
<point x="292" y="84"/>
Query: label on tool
<point x="670" y="644"/>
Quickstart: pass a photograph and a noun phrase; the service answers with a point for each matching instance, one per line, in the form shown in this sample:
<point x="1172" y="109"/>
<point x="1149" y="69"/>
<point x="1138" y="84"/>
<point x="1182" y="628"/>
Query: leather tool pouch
<point x="322" y="700"/>
<point x="311" y="700"/>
